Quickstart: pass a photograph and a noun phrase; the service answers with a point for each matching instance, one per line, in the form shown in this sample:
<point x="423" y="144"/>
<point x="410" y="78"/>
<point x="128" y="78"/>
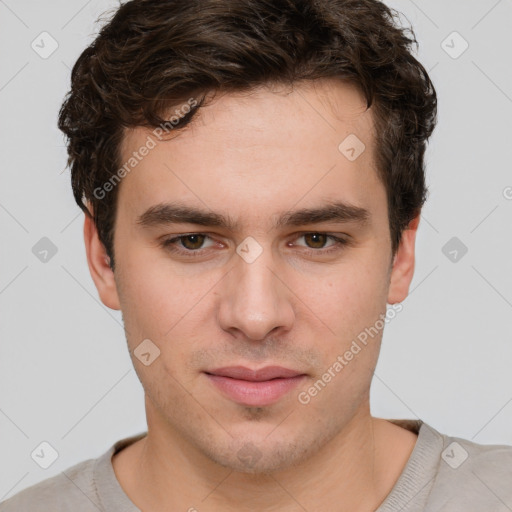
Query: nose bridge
<point x="255" y="300"/>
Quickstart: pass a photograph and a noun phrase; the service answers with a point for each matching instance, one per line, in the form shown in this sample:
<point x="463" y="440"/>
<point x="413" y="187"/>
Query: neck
<point x="356" y="470"/>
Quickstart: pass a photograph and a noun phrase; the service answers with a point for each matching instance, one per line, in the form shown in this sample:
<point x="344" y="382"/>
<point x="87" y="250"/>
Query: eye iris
<point x="316" y="236"/>
<point x="197" y="240"/>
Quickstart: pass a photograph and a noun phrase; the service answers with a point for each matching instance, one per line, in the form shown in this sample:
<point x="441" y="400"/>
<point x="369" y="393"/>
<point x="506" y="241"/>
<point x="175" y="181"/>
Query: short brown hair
<point x="154" y="54"/>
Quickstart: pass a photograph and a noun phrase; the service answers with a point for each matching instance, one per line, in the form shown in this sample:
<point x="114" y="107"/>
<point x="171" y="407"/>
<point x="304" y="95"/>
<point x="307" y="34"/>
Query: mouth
<point x="261" y="387"/>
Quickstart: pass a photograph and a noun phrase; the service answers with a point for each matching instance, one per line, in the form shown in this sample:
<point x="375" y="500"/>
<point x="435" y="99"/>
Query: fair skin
<point x="251" y="158"/>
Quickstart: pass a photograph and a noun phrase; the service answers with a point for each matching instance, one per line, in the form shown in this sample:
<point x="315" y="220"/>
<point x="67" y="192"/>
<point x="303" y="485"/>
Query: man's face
<point x="286" y="298"/>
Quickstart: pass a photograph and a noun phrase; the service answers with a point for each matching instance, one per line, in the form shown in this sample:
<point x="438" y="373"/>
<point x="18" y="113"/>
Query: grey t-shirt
<point x="443" y="474"/>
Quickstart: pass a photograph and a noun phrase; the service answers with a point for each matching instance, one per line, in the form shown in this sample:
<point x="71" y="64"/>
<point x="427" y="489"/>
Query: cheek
<point x="153" y="296"/>
<point x="153" y="310"/>
<point x="167" y="309"/>
<point x="353" y="307"/>
<point x="350" y="296"/>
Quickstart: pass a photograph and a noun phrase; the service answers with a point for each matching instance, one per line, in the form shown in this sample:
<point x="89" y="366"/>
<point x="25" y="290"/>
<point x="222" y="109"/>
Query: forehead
<point x="259" y="152"/>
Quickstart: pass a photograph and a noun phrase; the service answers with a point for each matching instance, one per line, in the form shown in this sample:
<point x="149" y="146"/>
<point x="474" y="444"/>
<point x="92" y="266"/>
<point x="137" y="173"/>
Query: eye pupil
<point x="316" y="236"/>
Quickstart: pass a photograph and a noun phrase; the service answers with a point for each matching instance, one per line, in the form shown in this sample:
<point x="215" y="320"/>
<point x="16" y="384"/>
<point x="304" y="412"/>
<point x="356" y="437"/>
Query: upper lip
<point x="262" y="374"/>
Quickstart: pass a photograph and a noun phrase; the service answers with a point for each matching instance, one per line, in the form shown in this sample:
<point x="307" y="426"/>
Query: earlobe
<point x="403" y="264"/>
<point x="99" y="267"/>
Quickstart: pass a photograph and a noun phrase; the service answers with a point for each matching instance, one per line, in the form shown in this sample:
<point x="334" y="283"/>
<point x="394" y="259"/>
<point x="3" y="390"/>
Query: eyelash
<point x="170" y="244"/>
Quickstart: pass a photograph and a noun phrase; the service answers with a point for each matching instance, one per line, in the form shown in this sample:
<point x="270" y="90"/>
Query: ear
<point x="97" y="259"/>
<point x="403" y="264"/>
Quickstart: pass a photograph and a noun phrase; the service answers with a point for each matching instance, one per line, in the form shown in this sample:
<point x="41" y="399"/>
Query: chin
<point x="252" y="455"/>
<point x="249" y="459"/>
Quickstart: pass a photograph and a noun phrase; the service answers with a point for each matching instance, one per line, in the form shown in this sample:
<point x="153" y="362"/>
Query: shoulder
<point x="487" y="460"/>
<point x="89" y="486"/>
<point x="472" y="475"/>
<point x="72" y="489"/>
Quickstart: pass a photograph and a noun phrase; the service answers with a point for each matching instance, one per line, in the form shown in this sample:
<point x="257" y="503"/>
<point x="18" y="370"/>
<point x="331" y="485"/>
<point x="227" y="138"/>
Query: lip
<point x="264" y="386"/>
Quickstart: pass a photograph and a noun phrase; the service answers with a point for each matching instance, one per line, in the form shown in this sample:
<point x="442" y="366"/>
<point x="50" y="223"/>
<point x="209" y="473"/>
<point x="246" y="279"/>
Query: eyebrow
<point x="173" y="213"/>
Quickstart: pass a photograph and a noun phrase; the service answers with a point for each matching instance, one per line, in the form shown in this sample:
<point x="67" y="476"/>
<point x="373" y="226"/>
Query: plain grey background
<point x="65" y="373"/>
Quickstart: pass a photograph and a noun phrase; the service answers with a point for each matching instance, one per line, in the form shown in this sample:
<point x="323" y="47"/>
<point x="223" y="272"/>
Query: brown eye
<point x="189" y="245"/>
<point x="317" y="240"/>
<point x="192" y="242"/>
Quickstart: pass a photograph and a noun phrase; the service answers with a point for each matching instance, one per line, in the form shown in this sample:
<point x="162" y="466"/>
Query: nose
<point x="255" y="299"/>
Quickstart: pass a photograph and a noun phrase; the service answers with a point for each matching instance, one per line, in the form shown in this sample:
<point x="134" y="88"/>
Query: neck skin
<point x="356" y="470"/>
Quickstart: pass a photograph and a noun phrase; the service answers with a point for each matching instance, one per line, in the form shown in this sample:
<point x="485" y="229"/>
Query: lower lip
<point x="255" y="393"/>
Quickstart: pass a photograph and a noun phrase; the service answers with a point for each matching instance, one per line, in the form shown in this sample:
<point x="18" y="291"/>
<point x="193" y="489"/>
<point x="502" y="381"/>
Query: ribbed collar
<point x="411" y="490"/>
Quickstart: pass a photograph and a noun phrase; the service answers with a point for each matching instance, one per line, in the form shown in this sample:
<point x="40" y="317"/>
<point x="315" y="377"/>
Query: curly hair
<point x="155" y="54"/>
